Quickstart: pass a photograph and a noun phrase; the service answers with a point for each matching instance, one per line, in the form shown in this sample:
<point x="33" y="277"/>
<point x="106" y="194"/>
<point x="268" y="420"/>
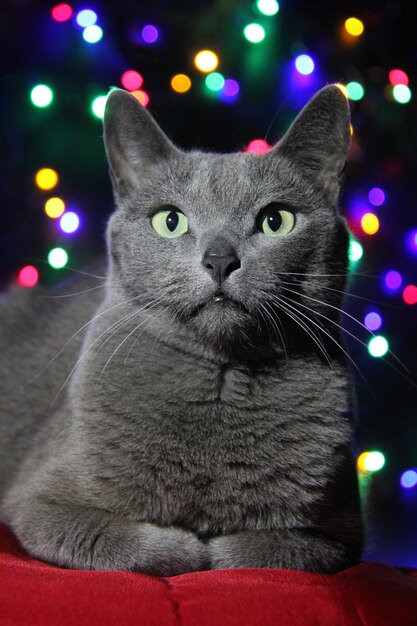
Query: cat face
<point x="221" y="239"/>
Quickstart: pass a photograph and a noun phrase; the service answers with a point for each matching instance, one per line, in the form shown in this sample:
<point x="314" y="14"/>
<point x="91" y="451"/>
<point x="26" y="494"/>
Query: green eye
<point x="274" y="221"/>
<point x="170" y="223"/>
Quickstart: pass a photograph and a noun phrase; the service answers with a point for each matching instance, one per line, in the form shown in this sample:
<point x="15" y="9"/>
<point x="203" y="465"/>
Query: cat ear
<point x="132" y="138"/>
<point x="317" y="142"/>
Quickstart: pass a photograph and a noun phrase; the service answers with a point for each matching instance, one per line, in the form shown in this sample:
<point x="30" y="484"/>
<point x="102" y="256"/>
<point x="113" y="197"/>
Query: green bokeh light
<point x="215" y="81"/>
<point x="355" y="251"/>
<point x="254" y="33"/>
<point x="41" y="96"/>
<point x="57" y="258"/>
<point x="401" y="94"/>
<point x="378" y="346"/>
<point x="98" y="105"/>
<point x="267" y="7"/>
<point x="355" y="90"/>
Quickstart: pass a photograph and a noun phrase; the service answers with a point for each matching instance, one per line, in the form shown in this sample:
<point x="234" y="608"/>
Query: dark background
<point x="66" y="136"/>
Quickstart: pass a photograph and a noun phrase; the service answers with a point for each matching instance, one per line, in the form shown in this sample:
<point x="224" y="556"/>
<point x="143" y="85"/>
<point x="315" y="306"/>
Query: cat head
<point x="232" y="245"/>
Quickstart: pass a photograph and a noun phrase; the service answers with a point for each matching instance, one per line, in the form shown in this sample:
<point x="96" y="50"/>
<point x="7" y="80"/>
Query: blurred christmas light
<point x="354" y="26"/>
<point x="231" y="88"/>
<point x="206" y="61"/>
<point x="131" y="80"/>
<point x="215" y="81"/>
<point x="92" y="34"/>
<point x="69" y="222"/>
<point x="401" y="93"/>
<point x="28" y="276"/>
<point x="41" y="96"/>
<point x="304" y="64"/>
<point x="408" y="479"/>
<point x="254" y="33"/>
<point x="54" y="207"/>
<point x="98" y="106"/>
<point x="370" y="223"/>
<point x="180" y="83"/>
<point x="150" y="34"/>
<point x="376" y="196"/>
<point x="355" y="90"/>
<point x="141" y="96"/>
<point x="373" y="321"/>
<point x="410" y="294"/>
<point x="393" y="280"/>
<point x="267" y="7"/>
<point x="343" y="89"/>
<point x="398" y="77"/>
<point x="378" y="346"/>
<point x="61" y="12"/>
<point x="86" y="17"/>
<point x="46" y="178"/>
<point x="370" y="461"/>
<point x="411" y="241"/>
<point x="258" y="146"/>
<point x="355" y="251"/>
<point x="57" y="258"/>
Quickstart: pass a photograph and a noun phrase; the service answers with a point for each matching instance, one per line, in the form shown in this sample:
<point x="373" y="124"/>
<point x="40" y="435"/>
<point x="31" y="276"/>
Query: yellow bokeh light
<point x="180" y="83"/>
<point x="361" y="462"/>
<point x="351" y="130"/>
<point x="354" y="26"/>
<point x="343" y="89"/>
<point x="206" y="61"/>
<point x="370" y="223"/>
<point x="46" y="178"/>
<point x="54" y="207"/>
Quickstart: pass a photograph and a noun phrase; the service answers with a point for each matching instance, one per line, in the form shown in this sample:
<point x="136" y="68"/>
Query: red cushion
<point x="33" y="593"/>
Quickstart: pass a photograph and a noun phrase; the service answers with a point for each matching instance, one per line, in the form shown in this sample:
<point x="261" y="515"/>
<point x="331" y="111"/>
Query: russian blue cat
<point x="192" y="410"/>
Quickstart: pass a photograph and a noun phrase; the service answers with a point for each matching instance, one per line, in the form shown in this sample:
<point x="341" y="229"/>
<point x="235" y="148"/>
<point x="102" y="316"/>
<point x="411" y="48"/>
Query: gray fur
<point x="202" y="442"/>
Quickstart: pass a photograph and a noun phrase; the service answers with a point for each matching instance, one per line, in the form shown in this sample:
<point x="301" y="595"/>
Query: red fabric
<point x="33" y="593"/>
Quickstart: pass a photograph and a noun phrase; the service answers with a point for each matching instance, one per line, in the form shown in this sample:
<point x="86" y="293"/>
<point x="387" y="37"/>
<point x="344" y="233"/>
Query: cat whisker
<point x="275" y="327"/>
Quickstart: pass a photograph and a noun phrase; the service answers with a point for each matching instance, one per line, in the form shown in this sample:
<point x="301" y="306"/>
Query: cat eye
<point x="170" y="223"/>
<point x="275" y="221"/>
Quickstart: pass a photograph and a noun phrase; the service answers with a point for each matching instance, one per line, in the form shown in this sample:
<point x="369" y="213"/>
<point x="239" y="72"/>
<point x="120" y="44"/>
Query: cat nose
<point x="220" y="260"/>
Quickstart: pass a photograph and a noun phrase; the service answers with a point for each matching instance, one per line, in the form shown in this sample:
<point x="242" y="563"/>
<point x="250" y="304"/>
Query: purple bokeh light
<point x="411" y="241"/>
<point x="373" y="320"/>
<point x="230" y="90"/>
<point x="408" y="479"/>
<point x="150" y="34"/>
<point x="393" y="280"/>
<point x="376" y="196"/>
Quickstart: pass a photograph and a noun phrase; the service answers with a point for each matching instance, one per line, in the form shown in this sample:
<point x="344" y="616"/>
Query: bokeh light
<point x="28" y="276"/>
<point x="41" y="96"/>
<point x="98" y="106"/>
<point x="141" y="96"/>
<point x="373" y="321"/>
<point x="258" y="146"/>
<point x="231" y="88"/>
<point x="355" y="251"/>
<point x="410" y="294"/>
<point x="215" y="81"/>
<point x="58" y="258"/>
<point x="61" y="12"/>
<point x="408" y="479"/>
<point x="371" y="461"/>
<point x="355" y="90"/>
<point x="69" y="222"/>
<point x="378" y="346"/>
<point x="86" y="17"/>
<point x="401" y="93"/>
<point x="343" y="89"/>
<point x="206" y="61"/>
<point x="131" y="80"/>
<point x="46" y="178"/>
<point x="92" y="34"/>
<point x="181" y="83"/>
<point x="150" y="34"/>
<point x="376" y="196"/>
<point x="411" y="241"/>
<point x="393" y="280"/>
<point x="267" y="7"/>
<point x="54" y="207"/>
<point x="398" y="77"/>
<point x="254" y="33"/>
<point x="304" y="64"/>
<point x="354" y="26"/>
<point x="370" y="223"/>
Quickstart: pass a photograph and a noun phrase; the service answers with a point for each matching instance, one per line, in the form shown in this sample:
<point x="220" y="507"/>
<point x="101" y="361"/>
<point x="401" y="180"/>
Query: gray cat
<point x="192" y="410"/>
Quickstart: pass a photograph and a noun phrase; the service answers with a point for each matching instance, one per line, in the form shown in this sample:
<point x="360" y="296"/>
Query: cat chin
<point x="223" y="327"/>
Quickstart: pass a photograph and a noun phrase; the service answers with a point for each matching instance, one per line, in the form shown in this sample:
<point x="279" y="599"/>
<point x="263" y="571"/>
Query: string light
<point x="371" y="461"/>
<point x="92" y="34"/>
<point x="343" y="89"/>
<point x="149" y="34"/>
<point x="206" y="61"/>
<point x="378" y="346"/>
<point x="231" y="89"/>
<point x="58" y="258"/>
<point x="258" y="146"/>
<point x="401" y="93"/>
<point x="54" y="207"/>
<point x="98" y="106"/>
<point x="28" y="276"/>
<point x="376" y="196"/>
<point x="355" y="90"/>
<point x="69" y="222"/>
<point x="393" y="280"/>
<point x="410" y="294"/>
<point x="267" y="7"/>
<point x="373" y="321"/>
<point x="355" y="251"/>
<point x="181" y="83"/>
<point x="41" y="96"/>
<point x="46" y="178"/>
<point x="131" y="80"/>
<point x="398" y="77"/>
<point x="254" y="33"/>
<point x="215" y="81"/>
<point x="304" y="64"/>
<point x="86" y="17"/>
<point x="141" y="96"/>
<point x="61" y="12"/>
<point x="408" y="479"/>
<point x="370" y="223"/>
<point x="354" y="26"/>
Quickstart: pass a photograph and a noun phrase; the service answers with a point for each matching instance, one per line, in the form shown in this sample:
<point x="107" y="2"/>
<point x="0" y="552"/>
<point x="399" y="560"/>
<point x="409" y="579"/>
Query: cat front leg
<point x="81" y="538"/>
<point x="288" y="549"/>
